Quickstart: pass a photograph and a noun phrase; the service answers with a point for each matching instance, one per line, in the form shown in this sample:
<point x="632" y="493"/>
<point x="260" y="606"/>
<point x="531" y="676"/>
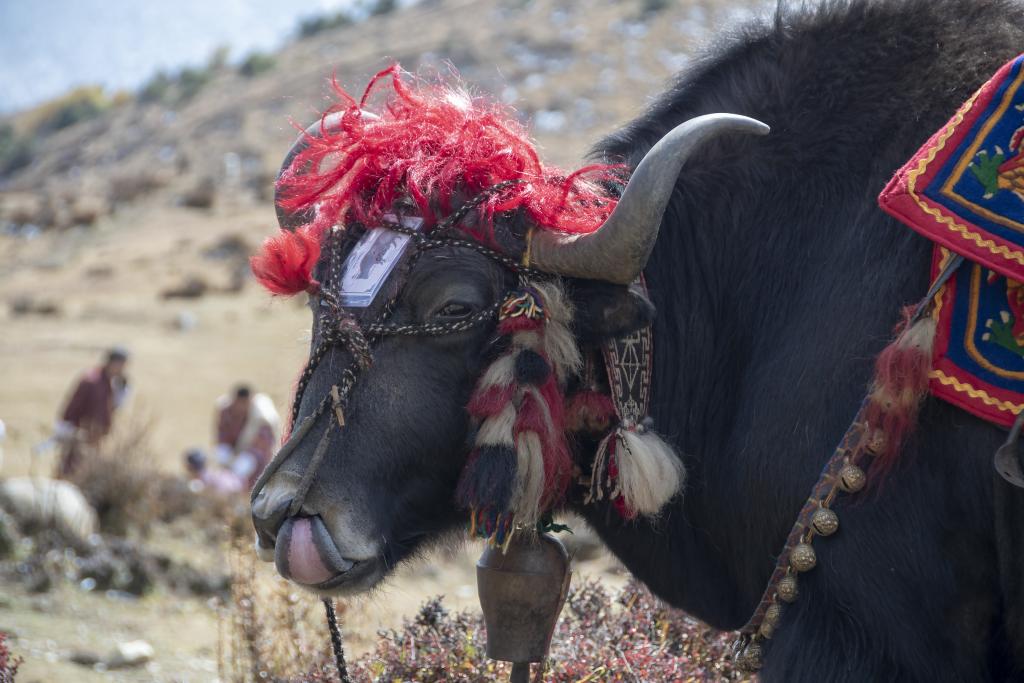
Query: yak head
<point x="365" y="482"/>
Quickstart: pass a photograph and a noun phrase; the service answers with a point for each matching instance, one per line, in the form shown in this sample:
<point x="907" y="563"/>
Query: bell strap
<point x="841" y="474"/>
<point x="831" y="480"/>
<point x="629" y="362"/>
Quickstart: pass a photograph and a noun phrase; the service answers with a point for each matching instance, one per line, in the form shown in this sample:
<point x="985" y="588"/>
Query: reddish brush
<point x="547" y="422"/>
<point x="589" y="411"/>
<point x="900" y="385"/>
<point x="285" y="262"/>
<point x="434" y="143"/>
<point x="8" y="663"/>
<point x="490" y="401"/>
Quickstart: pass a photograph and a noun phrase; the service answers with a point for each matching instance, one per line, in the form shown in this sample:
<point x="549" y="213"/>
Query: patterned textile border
<point x="978" y="358"/>
<point x="964" y="190"/>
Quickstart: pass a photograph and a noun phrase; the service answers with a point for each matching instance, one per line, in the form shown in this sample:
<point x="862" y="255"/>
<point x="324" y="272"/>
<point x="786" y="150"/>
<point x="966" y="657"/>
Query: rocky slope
<point x="575" y="69"/>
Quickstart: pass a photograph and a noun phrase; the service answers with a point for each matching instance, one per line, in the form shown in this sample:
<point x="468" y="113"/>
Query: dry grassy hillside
<point x="576" y="68"/>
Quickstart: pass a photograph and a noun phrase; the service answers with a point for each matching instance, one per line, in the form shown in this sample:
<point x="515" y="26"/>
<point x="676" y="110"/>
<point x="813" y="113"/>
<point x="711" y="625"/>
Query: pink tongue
<point x="304" y="563"/>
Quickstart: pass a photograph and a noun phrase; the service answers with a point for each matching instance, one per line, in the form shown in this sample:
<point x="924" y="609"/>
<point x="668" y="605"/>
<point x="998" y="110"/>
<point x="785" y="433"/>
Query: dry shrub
<point x="130" y="495"/>
<point x="19" y="208"/>
<point x="118" y="481"/>
<point x="191" y="287"/>
<point x="128" y="187"/>
<point x="203" y="194"/>
<point x="267" y="631"/>
<point x="87" y="209"/>
<point x="602" y="637"/>
<point x="8" y="663"/>
<point x="218" y="517"/>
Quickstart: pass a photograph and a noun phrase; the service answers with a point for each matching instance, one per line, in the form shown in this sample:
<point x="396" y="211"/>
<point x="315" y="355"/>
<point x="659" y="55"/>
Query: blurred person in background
<point x="217" y="479"/>
<point x="88" y="414"/>
<point x="247" y="431"/>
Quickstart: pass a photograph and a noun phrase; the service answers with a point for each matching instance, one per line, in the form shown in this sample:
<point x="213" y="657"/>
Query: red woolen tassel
<point x="899" y="387"/>
<point x="285" y="262"/>
<point x="433" y="143"/>
<point x="490" y="401"/>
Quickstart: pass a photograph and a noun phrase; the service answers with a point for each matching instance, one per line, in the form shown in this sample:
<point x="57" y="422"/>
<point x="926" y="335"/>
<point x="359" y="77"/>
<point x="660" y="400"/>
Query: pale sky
<point x="48" y="46"/>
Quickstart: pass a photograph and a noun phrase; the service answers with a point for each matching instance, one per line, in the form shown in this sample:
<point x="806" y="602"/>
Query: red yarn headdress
<point x="431" y="144"/>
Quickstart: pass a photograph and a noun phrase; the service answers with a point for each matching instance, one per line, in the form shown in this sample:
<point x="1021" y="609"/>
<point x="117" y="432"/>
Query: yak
<point x="773" y="281"/>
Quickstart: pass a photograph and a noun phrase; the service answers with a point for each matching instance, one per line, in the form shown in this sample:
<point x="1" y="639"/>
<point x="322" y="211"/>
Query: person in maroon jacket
<point x="89" y="412"/>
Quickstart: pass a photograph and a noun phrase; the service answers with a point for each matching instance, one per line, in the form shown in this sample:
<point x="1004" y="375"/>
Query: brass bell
<point x="752" y="657"/>
<point x="787" y="589"/>
<point x="803" y="558"/>
<point x="522" y="590"/>
<point x="766" y="630"/>
<point x="852" y="478"/>
<point x="773" y="614"/>
<point x="876" y="443"/>
<point x="824" y="521"/>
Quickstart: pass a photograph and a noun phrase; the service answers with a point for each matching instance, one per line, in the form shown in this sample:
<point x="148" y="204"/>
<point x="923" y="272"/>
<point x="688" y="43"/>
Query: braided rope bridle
<point x="338" y="327"/>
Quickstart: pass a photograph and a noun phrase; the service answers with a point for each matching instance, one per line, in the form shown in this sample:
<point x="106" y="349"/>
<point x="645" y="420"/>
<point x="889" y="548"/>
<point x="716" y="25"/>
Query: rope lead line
<point x="336" y="644"/>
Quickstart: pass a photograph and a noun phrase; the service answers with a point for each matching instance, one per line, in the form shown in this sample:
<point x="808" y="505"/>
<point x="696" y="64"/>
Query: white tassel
<point x="559" y="344"/>
<point x="599" y="470"/>
<point x="649" y="472"/>
<point x="499" y="373"/>
<point x="497" y="430"/>
<point x="529" y="485"/>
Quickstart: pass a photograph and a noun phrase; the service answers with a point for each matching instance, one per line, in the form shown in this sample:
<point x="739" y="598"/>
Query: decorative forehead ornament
<point x="372" y="260"/>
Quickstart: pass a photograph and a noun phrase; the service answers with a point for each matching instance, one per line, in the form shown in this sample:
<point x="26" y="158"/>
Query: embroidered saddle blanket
<point x="964" y="190"/>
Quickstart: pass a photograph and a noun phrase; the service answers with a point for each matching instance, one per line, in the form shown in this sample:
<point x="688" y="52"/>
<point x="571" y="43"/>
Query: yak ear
<point x="604" y="310"/>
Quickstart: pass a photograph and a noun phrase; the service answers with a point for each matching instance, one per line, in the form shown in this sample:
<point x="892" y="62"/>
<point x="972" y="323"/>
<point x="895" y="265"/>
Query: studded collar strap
<point x="842" y="474"/>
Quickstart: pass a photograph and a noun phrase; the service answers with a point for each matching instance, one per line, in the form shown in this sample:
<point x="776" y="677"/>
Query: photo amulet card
<point x="368" y="265"/>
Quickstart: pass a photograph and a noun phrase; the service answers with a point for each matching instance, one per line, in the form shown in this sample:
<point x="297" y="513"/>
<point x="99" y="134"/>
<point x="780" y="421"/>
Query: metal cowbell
<point x="522" y="589"/>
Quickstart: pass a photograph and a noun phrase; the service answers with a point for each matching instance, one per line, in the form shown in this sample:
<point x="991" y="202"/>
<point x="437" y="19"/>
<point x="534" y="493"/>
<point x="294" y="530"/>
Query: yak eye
<point x="454" y="310"/>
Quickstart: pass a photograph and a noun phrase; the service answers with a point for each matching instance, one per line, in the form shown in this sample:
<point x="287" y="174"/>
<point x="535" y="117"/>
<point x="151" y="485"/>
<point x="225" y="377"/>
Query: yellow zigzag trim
<point x="965" y="388"/>
<point x="963" y="230"/>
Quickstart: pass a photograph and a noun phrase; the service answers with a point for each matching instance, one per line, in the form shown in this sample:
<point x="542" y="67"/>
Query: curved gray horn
<point x="618" y="251"/>
<point x="289" y="220"/>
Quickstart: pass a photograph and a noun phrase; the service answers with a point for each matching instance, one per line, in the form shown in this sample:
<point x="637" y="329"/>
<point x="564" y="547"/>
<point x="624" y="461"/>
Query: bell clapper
<point x="520" y="673"/>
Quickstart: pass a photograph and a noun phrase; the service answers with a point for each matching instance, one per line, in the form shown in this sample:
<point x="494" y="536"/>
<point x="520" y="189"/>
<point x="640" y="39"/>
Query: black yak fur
<point x="777" y="281"/>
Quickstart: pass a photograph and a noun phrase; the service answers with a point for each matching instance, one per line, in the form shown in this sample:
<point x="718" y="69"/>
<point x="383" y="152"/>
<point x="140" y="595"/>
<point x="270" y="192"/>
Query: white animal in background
<point x="41" y="503"/>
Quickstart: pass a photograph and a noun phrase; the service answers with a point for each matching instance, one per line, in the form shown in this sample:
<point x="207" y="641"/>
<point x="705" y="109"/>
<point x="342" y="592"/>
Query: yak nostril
<point x="268" y="514"/>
